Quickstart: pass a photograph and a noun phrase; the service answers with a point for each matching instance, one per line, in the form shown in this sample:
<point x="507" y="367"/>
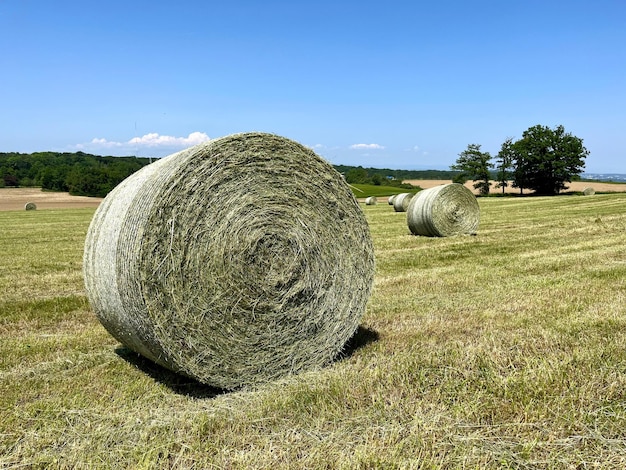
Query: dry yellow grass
<point x="574" y="186"/>
<point x="12" y="199"/>
<point x="501" y="350"/>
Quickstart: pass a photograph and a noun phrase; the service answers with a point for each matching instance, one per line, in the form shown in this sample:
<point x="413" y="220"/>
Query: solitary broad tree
<point x="546" y="159"/>
<point x="474" y="164"/>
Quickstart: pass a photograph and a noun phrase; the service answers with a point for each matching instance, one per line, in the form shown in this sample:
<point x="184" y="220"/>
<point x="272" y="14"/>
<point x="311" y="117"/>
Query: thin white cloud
<point x="155" y="140"/>
<point x="367" y="147"/>
<point x="316" y="146"/>
<point x="152" y="140"/>
<point x="102" y="143"/>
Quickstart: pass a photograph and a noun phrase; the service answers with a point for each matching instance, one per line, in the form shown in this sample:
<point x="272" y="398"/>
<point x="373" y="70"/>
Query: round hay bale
<point x="30" y="206"/>
<point x="589" y="191"/>
<point x="401" y="201"/>
<point x="223" y="263"/>
<point x="371" y="201"/>
<point x="390" y="199"/>
<point x="443" y="211"/>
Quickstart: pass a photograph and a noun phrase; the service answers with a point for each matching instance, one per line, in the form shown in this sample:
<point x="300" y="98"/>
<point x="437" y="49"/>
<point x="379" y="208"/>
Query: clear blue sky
<point x="393" y="84"/>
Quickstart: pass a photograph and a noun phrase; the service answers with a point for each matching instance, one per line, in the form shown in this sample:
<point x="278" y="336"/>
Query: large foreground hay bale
<point x="401" y="201"/>
<point x="442" y="211"/>
<point x="589" y="191"/>
<point x="222" y="262"/>
<point x="30" y="206"/>
<point x="371" y="201"/>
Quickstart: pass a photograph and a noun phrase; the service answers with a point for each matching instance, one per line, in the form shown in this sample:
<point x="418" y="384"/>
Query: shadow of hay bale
<point x="192" y="388"/>
<point x="361" y="338"/>
<point x="177" y="383"/>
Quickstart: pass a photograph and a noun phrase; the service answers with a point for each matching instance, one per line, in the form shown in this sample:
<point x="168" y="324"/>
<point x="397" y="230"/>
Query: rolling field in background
<point x="502" y="350"/>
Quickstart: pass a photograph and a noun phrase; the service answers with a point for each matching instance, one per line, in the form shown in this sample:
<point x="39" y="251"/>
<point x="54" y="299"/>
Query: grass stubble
<point x="501" y="350"/>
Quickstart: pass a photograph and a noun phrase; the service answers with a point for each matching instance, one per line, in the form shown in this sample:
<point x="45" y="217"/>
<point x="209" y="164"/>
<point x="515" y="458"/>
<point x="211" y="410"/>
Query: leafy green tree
<point x="460" y="178"/>
<point x="79" y="173"/>
<point x="475" y="165"/>
<point x="504" y="164"/>
<point x="357" y="175"/>
<point x="546" y="159"/>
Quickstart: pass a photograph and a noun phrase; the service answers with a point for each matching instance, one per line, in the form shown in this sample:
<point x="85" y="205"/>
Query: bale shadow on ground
<point x="183" y="385"/>
<point x="178" y="383"/>
<point x="361" y="338"/>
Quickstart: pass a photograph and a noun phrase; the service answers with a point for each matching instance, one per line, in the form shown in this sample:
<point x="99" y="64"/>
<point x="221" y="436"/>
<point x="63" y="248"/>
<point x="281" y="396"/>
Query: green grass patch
<point x="367" y="190"/>
<point x="502" y="350"/>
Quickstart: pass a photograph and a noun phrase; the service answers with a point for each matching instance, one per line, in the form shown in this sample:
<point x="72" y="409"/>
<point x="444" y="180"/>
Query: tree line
<point x="543" y="160"/>
<point x="389" y="177"/>
<point x="83" y="174"/>
<point x="78" y="173"/>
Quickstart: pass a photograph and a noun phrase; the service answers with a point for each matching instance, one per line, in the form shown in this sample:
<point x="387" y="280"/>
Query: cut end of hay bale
<point x="588" y="191"/>
<point x="401" y="201"/>
<point x="30" y="206"/>
<point x="443" y="211"/>
<point x="371" y="201"/>
<point x="235" y="262"/>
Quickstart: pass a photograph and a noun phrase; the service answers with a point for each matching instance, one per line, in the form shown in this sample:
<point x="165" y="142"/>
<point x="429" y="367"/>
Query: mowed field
<point x="502" y="350"/>
<point x="16" y="198"/>
<point x="575" y="186"/>
<point x="12" y="199"/>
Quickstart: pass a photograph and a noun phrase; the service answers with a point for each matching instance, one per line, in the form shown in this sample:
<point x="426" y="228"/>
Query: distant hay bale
<point x="371" y="201"/>
<point x="401" y="201"/>
<point x="442" y="211"/>
<point x="390" y="199"/>
<point x="30" y="206"/>
<point x="589" y="191"/>
<point x="223" y="263"/>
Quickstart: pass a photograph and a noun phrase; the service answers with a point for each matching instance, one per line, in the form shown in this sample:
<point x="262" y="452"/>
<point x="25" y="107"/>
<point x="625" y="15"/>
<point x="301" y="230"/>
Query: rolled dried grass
<point x="401" y="201"/>
<point x="235" y="262"/>
<point x="443" y="211"/>
<point x="390" y="199"/>
<point x="371" y="201"/>
<point x="30" y="206"/>
<point x="589" y="191"/>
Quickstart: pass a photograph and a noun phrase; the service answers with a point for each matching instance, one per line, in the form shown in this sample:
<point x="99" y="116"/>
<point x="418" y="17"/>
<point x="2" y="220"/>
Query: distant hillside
<point x="604" y="177"/>
<point x="386" y="173"/>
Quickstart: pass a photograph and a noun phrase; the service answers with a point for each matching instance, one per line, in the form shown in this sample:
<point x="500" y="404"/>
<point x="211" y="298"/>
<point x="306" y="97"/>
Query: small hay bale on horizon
<point x="222" y="262"/>
<point x="589" y="191"/>
<point x="30" y="206"/>
<point x="401" y="201"/>
<point x="443" y="211"/>
<point x="371" y="201"/>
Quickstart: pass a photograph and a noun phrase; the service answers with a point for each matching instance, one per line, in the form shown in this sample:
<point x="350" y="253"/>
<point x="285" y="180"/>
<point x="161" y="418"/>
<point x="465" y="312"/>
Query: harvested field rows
<point x="577" y="186"/>
<point x="502" y="350"/>
<point x="14" y="199"/>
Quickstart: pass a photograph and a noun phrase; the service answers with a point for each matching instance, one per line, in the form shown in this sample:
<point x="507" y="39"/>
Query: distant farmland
<point x="576" y="186"/>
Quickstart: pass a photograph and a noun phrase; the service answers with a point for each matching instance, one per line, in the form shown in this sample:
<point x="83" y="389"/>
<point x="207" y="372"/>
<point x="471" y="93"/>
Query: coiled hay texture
<point x="371" y="201"/>
<point x="235" y="262"/>
<point x="401" y="201"/>
<point x="390" y="199"/>
<point x="589" y="191"/>
<point x="443" y="211"/>
<point x="30" y="206"/>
